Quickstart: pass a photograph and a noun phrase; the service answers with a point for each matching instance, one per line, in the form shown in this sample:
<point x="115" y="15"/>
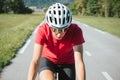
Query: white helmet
<point x="58" y="16"/>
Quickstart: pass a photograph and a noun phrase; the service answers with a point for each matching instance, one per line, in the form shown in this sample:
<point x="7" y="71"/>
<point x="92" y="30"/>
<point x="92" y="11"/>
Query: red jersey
<point x="59" y="51"/>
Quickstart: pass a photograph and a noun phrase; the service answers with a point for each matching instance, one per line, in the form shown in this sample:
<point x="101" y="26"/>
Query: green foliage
<point x="106" y="8"/>
<point x="1" y="6"/>
<point x="73" y="9"/>
<point x="13" y="6"/>
<point x="115" y="8"/>
<point x="92" y="7"/>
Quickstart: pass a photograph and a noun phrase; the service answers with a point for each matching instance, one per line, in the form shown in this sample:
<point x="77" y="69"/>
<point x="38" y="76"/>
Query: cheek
<point x="53" y="34"/>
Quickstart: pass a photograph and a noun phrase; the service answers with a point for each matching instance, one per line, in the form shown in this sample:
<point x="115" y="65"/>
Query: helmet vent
<point x="58" y="6"/>
<point x="68" y="16"/>
<point x="64" y="20"/>
<point x="50" y="19"/>
<point x="50" y="12"/>
<point x="47" y="19"/>
<point x="59" y="20"/>
<point x="54" y="12"/>
<point x="64" y="12"/>
<point x="55" y="21"/>
<point x="68" y="19"/>
<point x="59" y="12"/>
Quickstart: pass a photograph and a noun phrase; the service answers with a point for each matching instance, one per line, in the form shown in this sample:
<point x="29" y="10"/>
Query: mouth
<point x="59" y="36"/>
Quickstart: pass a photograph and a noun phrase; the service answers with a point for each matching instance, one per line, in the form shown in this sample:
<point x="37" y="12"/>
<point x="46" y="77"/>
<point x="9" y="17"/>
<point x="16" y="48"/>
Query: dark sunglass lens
<point x="54" y="30"/>
<point x="65" y="29"/>
<point x="60" y="30"/>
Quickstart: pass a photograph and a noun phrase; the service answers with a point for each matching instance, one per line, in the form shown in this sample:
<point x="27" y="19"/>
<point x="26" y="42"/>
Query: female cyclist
<point x="58" y="47"/>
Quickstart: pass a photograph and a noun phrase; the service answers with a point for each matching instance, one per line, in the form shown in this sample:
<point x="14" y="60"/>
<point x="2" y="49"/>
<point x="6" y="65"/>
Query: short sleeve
<point x="77" y="36"/>
<point x="40" y="36"/>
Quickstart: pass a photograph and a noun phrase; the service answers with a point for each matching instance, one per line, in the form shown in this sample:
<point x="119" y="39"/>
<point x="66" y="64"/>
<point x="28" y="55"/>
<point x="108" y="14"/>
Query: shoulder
<point x="74" y="27"/>
<point x="77" y="35"/>
<point x="42" y="33"/>
<point x="73" y="24"/>
<point x="44" y="28"/>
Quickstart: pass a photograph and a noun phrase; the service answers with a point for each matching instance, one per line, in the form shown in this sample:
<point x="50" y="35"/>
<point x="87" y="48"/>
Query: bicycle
<point x="56" y="74"/>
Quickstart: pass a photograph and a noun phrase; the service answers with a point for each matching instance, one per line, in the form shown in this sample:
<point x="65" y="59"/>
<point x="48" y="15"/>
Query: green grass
<point x="110" y="25"/>
<point x="14" y="30"/>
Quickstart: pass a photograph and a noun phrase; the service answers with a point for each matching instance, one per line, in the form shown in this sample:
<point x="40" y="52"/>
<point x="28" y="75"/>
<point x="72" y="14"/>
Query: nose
<point x="59" y="35"/>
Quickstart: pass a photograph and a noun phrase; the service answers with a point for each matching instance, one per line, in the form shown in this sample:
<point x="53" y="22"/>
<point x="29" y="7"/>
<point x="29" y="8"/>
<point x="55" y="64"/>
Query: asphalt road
<point x="101" y="56"/>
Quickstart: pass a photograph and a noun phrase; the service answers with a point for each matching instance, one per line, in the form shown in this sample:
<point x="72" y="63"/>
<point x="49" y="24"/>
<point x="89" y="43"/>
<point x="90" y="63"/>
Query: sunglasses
<point x="59" y="30"/>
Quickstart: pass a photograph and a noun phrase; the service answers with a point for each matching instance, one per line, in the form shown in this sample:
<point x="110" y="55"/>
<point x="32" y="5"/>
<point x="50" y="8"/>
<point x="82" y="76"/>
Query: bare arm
<point x="79" y="64"/>
<point x="35" y="62"/>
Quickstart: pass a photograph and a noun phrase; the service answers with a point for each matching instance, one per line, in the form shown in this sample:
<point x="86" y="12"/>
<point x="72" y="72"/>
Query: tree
<point x="106" y="8"/>
<point x="1" y="6"/>
<point x="84" y="6"/>
<point x="92" y="7"/>
<point x="14" y="6"/>
<point x="73" y="8"/>
<point x="6" y="6"/>
<point x="79" y="6"/>
<point x="109" y="8"/>
<point x="18" y="6"/>
<point x="115" y="8"/>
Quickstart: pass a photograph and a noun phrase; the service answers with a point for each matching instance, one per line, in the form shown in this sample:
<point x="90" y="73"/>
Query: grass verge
<point x="110" y="25"/>
<point x="14" y="30"/>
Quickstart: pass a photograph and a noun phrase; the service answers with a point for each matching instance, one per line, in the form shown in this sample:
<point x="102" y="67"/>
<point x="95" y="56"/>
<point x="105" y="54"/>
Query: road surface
<point x="101" y="56"/>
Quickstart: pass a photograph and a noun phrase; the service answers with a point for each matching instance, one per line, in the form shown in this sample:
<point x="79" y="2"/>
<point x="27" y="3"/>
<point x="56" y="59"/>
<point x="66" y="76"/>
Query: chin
<point x="58" y="38"/>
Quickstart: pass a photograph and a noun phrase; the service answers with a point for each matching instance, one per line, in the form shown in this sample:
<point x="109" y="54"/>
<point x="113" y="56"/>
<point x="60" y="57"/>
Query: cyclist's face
<point x="59" y="33"/>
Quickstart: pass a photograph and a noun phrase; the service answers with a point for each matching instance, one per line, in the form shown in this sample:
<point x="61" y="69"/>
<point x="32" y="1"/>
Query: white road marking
<point x="107" y="76"/>
<point x="95" y="29"/>
<point x="35" y="31"/>
<point x="28" y="41"/>
<point x="99" y="31"/>
<point x="88" y="53"/>
<point x="85" y="25"/>
<point x="24" y="47"/>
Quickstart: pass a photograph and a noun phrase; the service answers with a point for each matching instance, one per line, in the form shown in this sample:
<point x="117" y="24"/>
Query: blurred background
<point x="18" y="19"/>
